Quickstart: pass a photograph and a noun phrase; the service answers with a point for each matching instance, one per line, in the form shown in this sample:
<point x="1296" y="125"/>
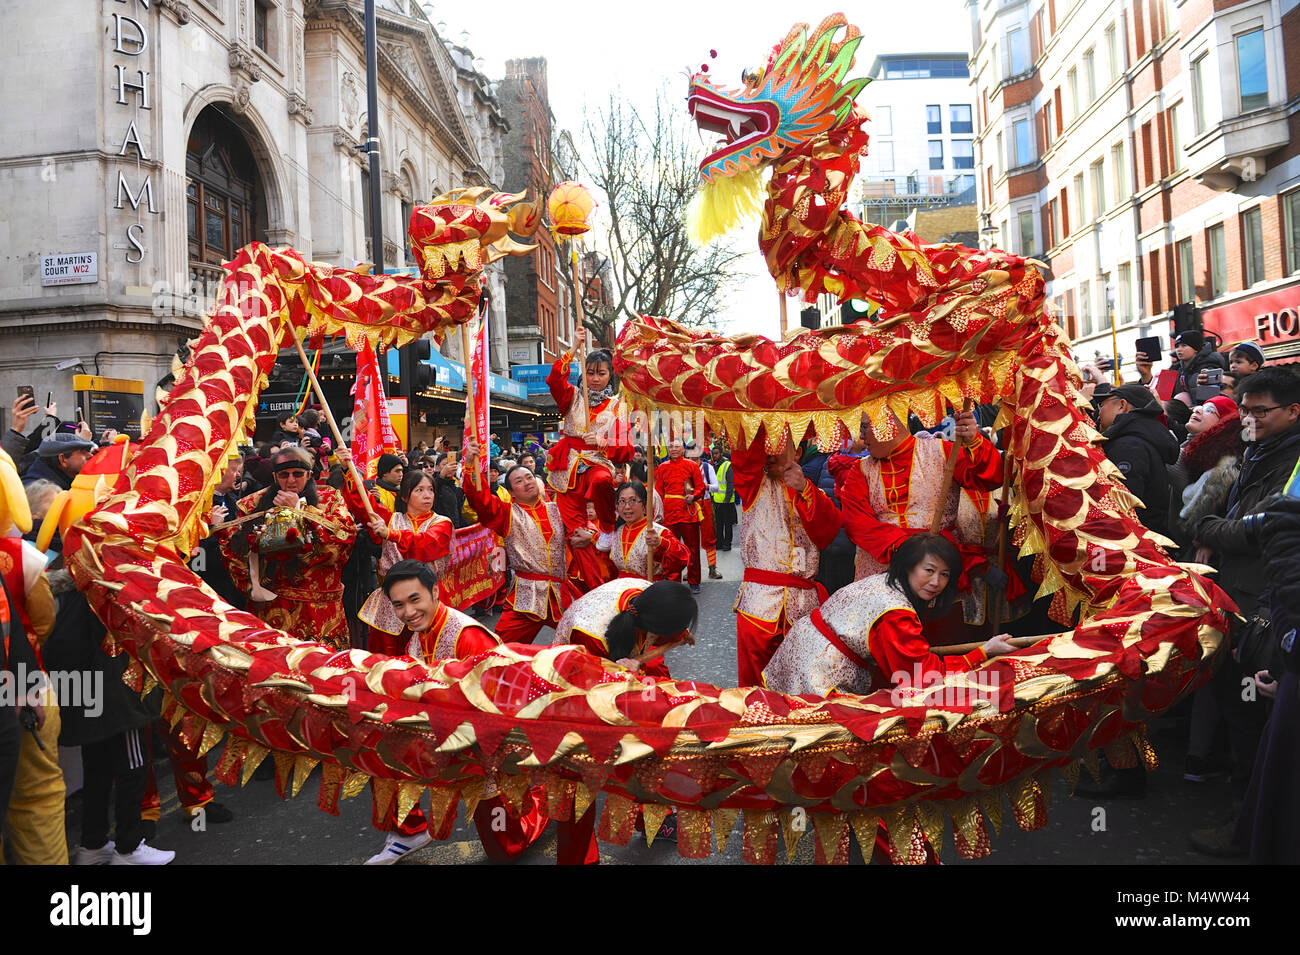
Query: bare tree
<point x="647" y="166"/>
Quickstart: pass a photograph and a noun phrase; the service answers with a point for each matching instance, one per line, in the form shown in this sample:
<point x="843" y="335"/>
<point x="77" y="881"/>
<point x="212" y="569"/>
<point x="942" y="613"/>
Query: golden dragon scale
<point x="579" y="726"/>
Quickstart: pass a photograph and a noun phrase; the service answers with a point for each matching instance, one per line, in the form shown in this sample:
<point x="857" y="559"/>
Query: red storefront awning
<point x="1271" y="319"/>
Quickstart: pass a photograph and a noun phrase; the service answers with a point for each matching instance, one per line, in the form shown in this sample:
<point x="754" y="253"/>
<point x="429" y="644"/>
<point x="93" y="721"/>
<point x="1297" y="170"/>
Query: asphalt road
<point x="267" y="830"/>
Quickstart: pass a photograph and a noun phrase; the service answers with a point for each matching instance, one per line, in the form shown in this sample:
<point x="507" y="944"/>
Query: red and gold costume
<point x="704" y="502"/>
<point x="683" y="517"/>
<point x="426" y="538"/>
<point x="537" y="552"/>
<point x="630" y="553"/>
<point x="308" y="587"/>
<point x="865" y="637"/>
<point x="781" y="537"/>
<point x="589" y="566"/>
<point x="585" y="624"/>
<point x="580" y="468"/>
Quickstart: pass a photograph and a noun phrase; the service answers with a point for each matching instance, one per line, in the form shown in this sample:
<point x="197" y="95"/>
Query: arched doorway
<point x="225" y="204"/>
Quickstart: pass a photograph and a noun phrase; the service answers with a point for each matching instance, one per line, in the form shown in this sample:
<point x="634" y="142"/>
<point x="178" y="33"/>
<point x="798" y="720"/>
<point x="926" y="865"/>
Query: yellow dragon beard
<point x="721" y="205"/>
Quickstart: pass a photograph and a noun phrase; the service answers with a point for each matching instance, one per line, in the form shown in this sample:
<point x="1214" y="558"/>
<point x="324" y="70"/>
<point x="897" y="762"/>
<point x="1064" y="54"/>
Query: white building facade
<point x="153" y="138"/>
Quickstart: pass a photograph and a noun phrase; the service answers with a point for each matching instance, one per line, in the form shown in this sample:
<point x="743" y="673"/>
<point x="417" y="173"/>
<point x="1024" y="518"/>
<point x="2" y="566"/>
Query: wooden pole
<point x="650" y="489"/>
<point x="1004" y="532"/>
<point x="785" y="321"/>
<point x="968" y="647"/>
<point x="577" y="324"/>
<point x="1114" y="346"/>
<point x="470" y="416"/>
<point x="949" y="467"/>
<point x="329" y="417"/>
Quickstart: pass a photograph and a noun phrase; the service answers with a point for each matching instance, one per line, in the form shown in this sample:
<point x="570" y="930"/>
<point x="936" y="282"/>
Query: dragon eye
<point x="751" y="76"/>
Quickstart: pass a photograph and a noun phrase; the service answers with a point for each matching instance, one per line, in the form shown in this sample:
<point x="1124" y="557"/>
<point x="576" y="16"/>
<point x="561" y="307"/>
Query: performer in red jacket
<point x="580" y="467"/>
<point x="536" y="550"/>
<point x="439" y="632"/>
<point x="413" y="531"/>
<point x="787" y="521"/>
<point x="682" y="485"/>
<point x="630" y="544"/>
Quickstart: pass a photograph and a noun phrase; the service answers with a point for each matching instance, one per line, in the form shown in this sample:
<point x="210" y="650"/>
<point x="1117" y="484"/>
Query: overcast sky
<point x="594" y="47"/>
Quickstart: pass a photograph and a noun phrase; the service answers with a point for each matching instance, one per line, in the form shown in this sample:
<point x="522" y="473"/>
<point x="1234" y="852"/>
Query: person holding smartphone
<point x="60" y="458"/>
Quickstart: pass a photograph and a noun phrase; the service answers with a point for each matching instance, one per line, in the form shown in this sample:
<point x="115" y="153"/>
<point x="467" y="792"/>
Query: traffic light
<point x="855" y="310"/>
<point x="416" y="374"/>
<point x="1187" y="318"/>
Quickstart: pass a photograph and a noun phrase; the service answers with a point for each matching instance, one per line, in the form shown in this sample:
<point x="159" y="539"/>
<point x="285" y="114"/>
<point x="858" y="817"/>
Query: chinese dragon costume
<point x="956" y="324"/>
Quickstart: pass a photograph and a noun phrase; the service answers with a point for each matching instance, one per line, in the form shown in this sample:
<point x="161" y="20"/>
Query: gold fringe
<point x="653" y="815"/>
<point x="724" y="820"/>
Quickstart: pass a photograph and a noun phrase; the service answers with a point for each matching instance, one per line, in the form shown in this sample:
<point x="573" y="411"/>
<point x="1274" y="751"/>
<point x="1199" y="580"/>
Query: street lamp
<point x="987" y="231"/>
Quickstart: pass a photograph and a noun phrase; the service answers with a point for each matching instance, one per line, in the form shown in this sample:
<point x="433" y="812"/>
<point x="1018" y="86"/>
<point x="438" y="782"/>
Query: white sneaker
<point x="144" y="855"/>
<point x="101" y="856"/>
<point x="397" y="846"/>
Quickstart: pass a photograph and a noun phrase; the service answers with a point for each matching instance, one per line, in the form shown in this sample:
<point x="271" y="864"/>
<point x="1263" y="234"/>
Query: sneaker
<point x="101" y="856"/>
<point x="713" y="574"/>
<point x="144" y="854"/>
<point x="397" y="846"/>
<point x="1200" y="769"/>
<point x="695" y="588"/>
<point x="213" y="812"/>
<point x="668" y="829"/>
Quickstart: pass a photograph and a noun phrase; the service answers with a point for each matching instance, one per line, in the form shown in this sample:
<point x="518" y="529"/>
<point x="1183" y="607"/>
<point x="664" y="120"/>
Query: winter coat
<point x="47" y="469"/>
<point x="1207" y="469"/>
<point x="76" y="644"/>
<point x="1190" y="370"/>
<point x="1139" y="444"/>
<point x="1265" y="468"/>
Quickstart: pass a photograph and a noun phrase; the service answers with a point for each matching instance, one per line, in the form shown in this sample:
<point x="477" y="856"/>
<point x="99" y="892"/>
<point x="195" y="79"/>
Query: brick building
<point x="1144" y="149"/>
<point x="538" y="328"/>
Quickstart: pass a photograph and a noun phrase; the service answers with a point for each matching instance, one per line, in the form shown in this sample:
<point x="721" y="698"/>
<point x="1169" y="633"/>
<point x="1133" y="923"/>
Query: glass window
<point x="1080" y="201"/>
<point x="1098" y="186"/>
<point x="1002" y="156"/>
<point x="1253" y="241"/>
<point x="963" y="154"/>
<point x="1024" y="143"/>
<point x="1085" y="309"/>
<point x="1198" y="93"/>
<point x="1175" y="143"/>
<point x="1049" y="123"/>
<point x="1125" y="293"/>
<point x="1252" y="71"/>
<point x="959" y="120"/>
<point x="936" y="154"/>
<point x="1112" y="52"/>
<point x="1090" y="75"/>
<point x="1291" y="203"/>
<point x="1018" y="50"/>
<point x="1072" y="84"/>
<point x="1119" y="173"/>
<point x="1218" y="260"/>
<point x="884" y="157"/>
<point x="1026" y="220"/>
<point x="1186" y="274"/>
<point x="933" y="120"/>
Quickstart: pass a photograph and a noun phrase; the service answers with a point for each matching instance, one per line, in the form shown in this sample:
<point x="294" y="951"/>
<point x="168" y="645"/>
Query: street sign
<point x="116" y="403"/>
<point x="70" y="268"/>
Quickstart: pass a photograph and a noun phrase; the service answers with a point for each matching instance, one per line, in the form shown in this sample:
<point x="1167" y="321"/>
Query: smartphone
<point x="1203" y="393"/>
<point x="28" y="391"/>
<point x="1149" y="347"/>
<point x="80" y="419"/>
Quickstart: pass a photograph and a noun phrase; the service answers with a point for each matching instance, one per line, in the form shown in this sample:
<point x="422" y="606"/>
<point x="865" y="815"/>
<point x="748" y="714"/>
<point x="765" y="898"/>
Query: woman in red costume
<point x="412" y="531"/>
<point x="536" y="549"/>
<point x="580" y="467"/>
<point x="620" y="621"/>
<point x="589" y="567"/>
<point x="630" y="543"/>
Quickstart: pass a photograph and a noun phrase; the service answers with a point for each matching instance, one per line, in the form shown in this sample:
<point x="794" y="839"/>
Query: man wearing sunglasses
<point x="306" y="581"/>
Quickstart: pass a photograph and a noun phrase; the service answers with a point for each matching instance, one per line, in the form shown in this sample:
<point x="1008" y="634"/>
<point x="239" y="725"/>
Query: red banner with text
<point x="477" y="569"/>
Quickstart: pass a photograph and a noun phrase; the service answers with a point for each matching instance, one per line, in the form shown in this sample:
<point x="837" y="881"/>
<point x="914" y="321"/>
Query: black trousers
<point x="11" y="738"/>
<point x="115" y="767"/>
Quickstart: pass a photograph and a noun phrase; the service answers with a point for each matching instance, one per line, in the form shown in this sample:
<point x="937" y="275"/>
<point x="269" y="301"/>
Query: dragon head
<point x="801" y="93"/>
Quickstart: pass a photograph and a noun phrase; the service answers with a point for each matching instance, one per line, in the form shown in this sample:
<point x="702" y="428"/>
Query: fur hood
<point x="1209" y="494"/>
<point x="1205" y="450"/>
<point x="61" y="581"/>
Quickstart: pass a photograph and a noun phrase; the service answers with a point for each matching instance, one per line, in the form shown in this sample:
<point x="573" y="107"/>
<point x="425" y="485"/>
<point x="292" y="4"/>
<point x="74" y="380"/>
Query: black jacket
<point x="449" y="500"/>
<point x="47" y="469"/>
<point x="1190" y="370"/>
<point x="1140" y="445"/>
<point x="1264" y="472"/>
<point x="76" y="644"/>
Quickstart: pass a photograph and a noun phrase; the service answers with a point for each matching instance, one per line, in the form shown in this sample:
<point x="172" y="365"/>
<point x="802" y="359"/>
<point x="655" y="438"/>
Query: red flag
<point x="372" y="432"/>
<point x="477" y="379"/>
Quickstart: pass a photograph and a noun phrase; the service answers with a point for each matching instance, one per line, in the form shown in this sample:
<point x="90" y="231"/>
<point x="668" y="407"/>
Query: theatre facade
<point x="147" y="140"/>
